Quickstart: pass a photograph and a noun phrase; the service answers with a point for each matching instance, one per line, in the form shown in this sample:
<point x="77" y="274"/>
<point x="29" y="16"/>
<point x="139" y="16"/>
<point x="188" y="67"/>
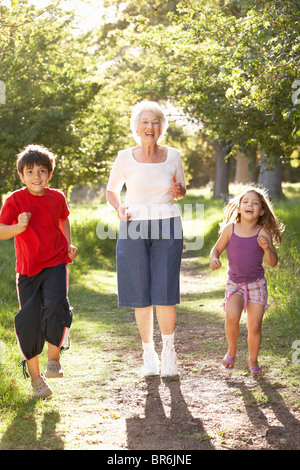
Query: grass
<point x="105" y="337"/>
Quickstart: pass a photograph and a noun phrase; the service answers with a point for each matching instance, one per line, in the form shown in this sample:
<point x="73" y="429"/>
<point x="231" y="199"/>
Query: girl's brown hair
<point x="267" y="220"/>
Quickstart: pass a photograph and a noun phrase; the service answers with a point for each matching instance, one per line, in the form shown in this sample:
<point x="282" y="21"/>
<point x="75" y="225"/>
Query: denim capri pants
<point x="148" y="262"/>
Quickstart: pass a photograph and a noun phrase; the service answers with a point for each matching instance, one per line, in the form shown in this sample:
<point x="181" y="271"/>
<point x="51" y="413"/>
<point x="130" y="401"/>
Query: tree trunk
<point x="251" y="153"/>
<point x="241" y="171"/>
<point x="222" y="171"/>
<point x="270" y="177"/>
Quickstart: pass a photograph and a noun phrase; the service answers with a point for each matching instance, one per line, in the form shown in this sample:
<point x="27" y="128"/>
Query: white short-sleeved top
<point x="147" y="184"/>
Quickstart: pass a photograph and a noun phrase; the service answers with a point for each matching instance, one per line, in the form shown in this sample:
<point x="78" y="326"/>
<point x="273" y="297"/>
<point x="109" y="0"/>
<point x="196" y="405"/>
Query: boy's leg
<point x="56" y="313"/>
<point x="233" y="308"/>
<point x="54" y="368"/>
<point x="255" y="313"/>
<point x="53" y="352"/>
<point x="33" y="368"/>
<point x="27" y="322"/>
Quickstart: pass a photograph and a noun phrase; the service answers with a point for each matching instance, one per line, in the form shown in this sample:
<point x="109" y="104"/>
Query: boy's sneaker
<point x="41" y="388"/>
<point x="54" y="370"/>
<point x="151" y="363"/>
<point x="169" y="363"/>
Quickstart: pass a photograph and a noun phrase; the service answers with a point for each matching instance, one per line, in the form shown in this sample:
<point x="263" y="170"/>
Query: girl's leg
<point x="233" y="307"/>
<point x="255" y="313"/>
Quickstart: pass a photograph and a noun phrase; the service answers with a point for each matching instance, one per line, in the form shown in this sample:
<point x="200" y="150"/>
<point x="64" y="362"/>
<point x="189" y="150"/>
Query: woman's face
<point x="149" y="128"/>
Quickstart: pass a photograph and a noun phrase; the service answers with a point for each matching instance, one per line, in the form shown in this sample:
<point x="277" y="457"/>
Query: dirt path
<point x="206" y="408"/>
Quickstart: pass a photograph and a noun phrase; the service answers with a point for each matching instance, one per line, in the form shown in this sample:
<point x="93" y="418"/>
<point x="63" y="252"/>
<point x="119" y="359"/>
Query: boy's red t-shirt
<point x="42" y="244"/>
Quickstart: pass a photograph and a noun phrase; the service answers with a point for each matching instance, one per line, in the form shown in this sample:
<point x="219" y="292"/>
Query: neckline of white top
<point x="149" y="163"/>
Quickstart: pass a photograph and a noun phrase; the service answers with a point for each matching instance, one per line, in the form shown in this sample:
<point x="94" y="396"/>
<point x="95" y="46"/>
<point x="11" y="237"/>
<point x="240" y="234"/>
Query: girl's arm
<point x="265" y="241"/>
<point x="10" y="231"/>
<point x="66" y="230"/>
<point x="219" y="247"/>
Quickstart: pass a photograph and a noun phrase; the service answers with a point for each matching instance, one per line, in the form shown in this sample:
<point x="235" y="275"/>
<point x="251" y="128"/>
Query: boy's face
<point x="36" y="179"/>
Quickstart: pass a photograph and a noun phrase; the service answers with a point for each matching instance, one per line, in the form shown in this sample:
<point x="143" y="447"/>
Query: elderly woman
<point x="149" y="246"/>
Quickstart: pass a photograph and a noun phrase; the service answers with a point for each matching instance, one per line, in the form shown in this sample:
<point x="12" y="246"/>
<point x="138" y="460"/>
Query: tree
<point x="55" y="97"/>
<point x="230" y="66"/>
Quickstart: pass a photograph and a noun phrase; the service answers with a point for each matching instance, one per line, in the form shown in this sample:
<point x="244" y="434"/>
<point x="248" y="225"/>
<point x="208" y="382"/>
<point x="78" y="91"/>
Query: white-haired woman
<point x="149" y="246"/>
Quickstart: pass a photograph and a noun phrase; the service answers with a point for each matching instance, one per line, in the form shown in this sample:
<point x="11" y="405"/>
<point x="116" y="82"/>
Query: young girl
<point x="247" y="232"/>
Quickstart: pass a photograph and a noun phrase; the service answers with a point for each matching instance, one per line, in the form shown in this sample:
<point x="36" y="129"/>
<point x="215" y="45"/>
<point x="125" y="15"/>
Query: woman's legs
<point x="233" y="307"/>
<point x="166" y="317"/>
<point x="144" y="320"/>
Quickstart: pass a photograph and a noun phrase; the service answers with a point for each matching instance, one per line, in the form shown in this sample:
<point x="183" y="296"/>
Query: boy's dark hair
<point x="35" y="154"/>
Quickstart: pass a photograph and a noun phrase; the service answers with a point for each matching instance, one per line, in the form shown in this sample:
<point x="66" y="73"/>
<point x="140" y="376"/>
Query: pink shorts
<point x="253" y="292"/>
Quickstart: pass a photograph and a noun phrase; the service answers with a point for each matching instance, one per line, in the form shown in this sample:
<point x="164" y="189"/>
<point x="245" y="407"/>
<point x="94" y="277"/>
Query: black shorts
<point x="45" y="313"/>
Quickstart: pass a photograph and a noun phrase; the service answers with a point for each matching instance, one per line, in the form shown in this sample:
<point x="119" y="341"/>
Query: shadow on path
<point x="269" y="413"/>
<point x="20" y="436"/>
<point x="158" y="430"/>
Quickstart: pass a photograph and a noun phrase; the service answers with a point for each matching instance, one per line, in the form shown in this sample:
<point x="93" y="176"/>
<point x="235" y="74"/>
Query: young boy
<point x="37" y="217"/>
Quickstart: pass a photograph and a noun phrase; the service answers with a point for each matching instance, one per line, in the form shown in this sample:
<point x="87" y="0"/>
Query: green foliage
<point x="55" y="96"/>
<point x="230" y="65"/>
<point x="283" y="281"/>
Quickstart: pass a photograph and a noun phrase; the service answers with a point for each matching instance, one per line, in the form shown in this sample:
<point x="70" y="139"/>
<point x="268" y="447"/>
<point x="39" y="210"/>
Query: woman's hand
<point x="123" y="213"/>
<point x="176" y="189"/>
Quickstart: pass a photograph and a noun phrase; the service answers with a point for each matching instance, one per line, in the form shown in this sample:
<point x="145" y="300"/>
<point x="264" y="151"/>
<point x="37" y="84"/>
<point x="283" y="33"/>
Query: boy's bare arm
<point x="10" y="231"/>
<point x="66" y="230"/>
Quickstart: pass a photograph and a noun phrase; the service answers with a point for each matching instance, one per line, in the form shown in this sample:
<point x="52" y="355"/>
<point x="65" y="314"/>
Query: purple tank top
<point x="245" y="258"/>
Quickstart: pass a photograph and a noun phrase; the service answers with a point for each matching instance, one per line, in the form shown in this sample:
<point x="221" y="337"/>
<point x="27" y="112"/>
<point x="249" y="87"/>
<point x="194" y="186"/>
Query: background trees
<point x="226" y="70"/>
<point x="230" y="66"/>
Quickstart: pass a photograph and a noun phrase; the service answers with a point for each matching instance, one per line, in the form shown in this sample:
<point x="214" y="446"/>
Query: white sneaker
<point x="151" y="363"/>
<point x="169" y="363"/>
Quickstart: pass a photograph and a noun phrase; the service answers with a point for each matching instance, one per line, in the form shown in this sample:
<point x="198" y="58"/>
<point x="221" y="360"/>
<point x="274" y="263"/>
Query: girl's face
<point x="251" y="206"/>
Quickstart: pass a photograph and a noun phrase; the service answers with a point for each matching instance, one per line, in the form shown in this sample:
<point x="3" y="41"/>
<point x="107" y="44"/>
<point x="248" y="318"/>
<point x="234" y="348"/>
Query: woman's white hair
<point x="142" y="106"/>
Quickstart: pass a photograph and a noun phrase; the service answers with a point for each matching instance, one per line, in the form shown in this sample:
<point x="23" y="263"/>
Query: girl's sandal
<point x="229" y="360"/>
<point x="254" y="371"/>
